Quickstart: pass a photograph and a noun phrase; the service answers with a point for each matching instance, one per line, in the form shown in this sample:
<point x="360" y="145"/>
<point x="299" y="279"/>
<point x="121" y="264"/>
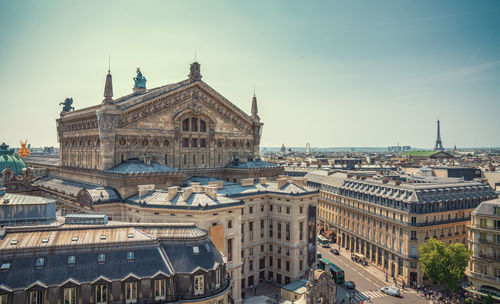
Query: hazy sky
<point x="331" y="73"/>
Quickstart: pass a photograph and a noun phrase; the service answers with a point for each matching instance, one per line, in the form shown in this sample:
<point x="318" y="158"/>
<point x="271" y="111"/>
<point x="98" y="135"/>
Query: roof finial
<point x="109" y="64"/>
<point x="108" y="87"/>
<point x="255" y="110"/>
<point x="254" y="90"/>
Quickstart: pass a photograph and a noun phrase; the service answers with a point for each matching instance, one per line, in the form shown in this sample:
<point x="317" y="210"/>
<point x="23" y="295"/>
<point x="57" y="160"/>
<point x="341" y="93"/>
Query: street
<point x="366" y="283"/>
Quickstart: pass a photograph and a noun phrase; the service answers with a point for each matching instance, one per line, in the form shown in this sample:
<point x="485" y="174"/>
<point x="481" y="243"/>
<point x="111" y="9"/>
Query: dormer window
<point x="74" y="239"/>
<point x="130" y="256"/>
<point x="5" y="266"/>
<point x="40" y="263"/>
<point x="45" y="240"/>
<point x="103" y="237"/>
<point x="101" y="258"/>
<point x="71" y="260"/>
<point x="199" y="285"/>
<point x="13" y="242"/>
<point x="196" y="250"/>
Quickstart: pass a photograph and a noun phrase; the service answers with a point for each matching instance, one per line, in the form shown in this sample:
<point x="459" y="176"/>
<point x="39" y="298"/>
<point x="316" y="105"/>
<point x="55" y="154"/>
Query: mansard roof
<point x="425" y="191"/>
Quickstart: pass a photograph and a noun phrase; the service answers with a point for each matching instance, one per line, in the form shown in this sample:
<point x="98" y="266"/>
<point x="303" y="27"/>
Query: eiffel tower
<point x="438" y="146"/>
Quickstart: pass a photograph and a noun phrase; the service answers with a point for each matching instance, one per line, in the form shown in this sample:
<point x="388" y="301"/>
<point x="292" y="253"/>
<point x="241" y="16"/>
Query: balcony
<point x="493" y="259"/>
<point x="226" y="284"/>
<point x="491" y="243"/>
<point x="484" y="277"/>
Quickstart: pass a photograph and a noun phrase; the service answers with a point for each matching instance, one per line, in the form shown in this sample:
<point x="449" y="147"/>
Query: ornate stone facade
<point x="182" y="125"/>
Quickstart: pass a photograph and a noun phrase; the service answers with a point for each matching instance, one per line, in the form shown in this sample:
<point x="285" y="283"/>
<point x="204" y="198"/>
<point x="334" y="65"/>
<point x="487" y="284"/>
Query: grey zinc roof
<point x="97" y="192"/>
<point x="195" y="199"/>
<point x="20" y="199"/>
<point x="147" y="262"/>
<point x="251" y="164"/>
<point x="137" y="166"/>
<point x="288" y="188"/>
<point x="487" y="208"/>
<point x="184" y="259"/>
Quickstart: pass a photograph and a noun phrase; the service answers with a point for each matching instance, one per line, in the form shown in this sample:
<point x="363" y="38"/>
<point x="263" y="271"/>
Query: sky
<point x="328" y="73"/>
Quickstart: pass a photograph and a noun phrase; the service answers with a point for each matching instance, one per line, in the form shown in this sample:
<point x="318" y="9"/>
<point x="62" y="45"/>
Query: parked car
<point x="318" y="255"/>
<point x="334" y="251"/>
<point x="391" y="290"/>
<point x="350" y="285"/>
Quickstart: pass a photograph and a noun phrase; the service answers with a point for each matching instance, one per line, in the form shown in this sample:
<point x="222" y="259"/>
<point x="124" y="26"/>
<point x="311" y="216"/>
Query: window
<point x="218" y="274"/>
<point x="413" y="235"/>
<point x="5" y="266"/>
<point x="287" y="266"/>
<point x="271" y="208"/>
<point x="229" y="250"/>
<point x="261" y="228"/>
<point x="279" y="263"/>
<point x="270" y="261"/>
<point x="36" y="297"/>
<point x="40" y="262"/>
<point x="130" y="292"/>
<point x="250" y="251"/>
<point x="199" y="285"/>
<point x="250" y="265"/>
<point x="287" y="210"/>
<point x="301" y="231"/>
<point x="3" y="299"/>
<point x="185" y="142"/>
<point x="270" y="228"/>
<point x="287" y="231"/>
<point x="130" y="256"/>
<point x="230" y="224"/>
<point x="251" y="209"/>
<point x="279" y="230"/>
<point x="101" y="294"/>
<point x="160" y="289"/>
<point x="250" y="225"/>
<point x="101" y="258"/>
<point x="300" y="210"/>
<point x="194" y="142"/>
<point x="203" y="126"/>
<point x="196" y="250"/>
<point x="70" y="295"/>
<point x="194" y="124"/>
<point x="279" y="209"/>
<point x="300" y="265"/>
<point x="71" y="260"/>
<point x="185" y="125"/>
<point x="242" y="231"/>
<point x="203" y="143"/>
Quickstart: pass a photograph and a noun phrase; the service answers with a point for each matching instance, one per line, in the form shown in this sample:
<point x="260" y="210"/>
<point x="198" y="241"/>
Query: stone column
<point x="107" y="119"/>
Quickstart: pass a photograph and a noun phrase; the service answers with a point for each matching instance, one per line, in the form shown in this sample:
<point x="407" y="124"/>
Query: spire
<point x="255" y="110"/>
<point x="438" y="146"/>
<point x="108" y="89"/>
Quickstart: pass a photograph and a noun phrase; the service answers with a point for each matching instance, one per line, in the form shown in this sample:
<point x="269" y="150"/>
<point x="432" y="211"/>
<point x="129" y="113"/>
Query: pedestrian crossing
<point x="373" y="294"/>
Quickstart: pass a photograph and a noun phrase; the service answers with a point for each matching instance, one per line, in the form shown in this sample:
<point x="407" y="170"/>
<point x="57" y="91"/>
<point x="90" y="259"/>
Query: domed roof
<point x="10" y="160"/>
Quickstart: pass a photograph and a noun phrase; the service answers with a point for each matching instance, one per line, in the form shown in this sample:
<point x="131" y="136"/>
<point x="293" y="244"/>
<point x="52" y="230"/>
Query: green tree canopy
<point x="444" y="264"/>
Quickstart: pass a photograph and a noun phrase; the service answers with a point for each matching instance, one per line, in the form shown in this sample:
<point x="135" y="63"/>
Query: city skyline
<point x="352" y="77"/>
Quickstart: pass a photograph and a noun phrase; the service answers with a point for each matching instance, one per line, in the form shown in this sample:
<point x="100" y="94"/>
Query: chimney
<point x="187" y="192"/>
<point x="397" y="183"/>
<point x="217" y="184"/>
<point x="282" y="181"/>
<point x="299" y="181"/>
<point x="385" y="180"/>
<point x="145" y="189"/>
<point x="211" y="191"/>
<point x="197" y="187"/>
<point x="245" y="182"/>
<point x="172" y="191"/>
<point x="262" y="180"/>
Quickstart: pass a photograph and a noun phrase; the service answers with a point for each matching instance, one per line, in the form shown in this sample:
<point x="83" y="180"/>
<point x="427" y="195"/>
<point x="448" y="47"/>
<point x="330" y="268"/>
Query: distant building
<point x="418" y="156"/>
<point x="484" y="267"/>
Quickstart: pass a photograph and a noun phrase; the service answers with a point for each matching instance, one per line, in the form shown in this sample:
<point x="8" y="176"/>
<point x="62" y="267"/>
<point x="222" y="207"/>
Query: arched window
<point x="185" y="125"/>
<point x="203" y="126"/>
<point x="194" y="124"/>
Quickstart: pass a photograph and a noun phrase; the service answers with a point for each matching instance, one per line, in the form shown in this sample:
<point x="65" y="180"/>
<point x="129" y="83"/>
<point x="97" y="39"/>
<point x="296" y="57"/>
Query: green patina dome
<point x="10" y="160"/>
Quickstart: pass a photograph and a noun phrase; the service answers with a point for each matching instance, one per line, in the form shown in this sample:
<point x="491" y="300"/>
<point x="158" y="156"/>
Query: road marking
<point x="373" y="294"/>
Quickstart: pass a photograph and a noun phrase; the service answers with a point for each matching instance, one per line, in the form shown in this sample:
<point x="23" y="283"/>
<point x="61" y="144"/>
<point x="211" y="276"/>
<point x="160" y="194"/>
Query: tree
<point x="444" y="264"/>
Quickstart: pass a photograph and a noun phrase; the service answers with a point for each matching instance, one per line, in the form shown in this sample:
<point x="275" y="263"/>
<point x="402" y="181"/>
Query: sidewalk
<point x="373" y="270"/>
